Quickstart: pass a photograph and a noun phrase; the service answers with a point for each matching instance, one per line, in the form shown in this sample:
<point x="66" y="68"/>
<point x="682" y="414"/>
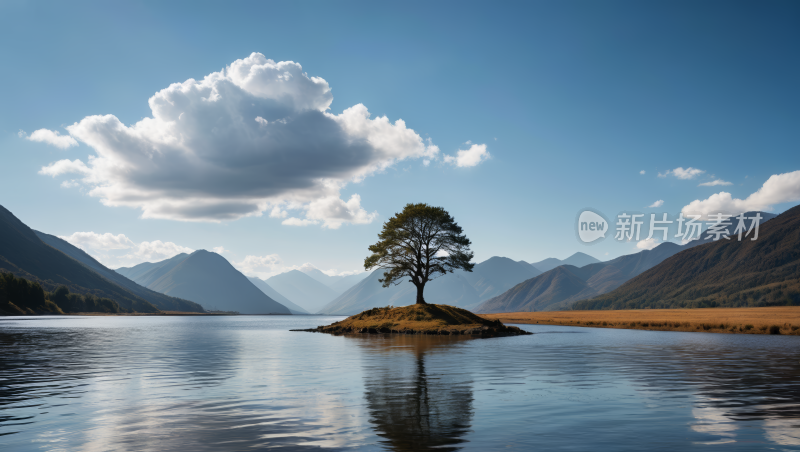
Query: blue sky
<point x="571" y="99"/>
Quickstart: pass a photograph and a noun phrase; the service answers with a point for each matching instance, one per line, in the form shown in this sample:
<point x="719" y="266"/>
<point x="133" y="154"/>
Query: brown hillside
<point x="728" y="273"/>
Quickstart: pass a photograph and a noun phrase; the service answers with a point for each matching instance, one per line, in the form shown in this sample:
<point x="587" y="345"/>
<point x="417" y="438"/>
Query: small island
<point x="420" y="243"/>
<point x="435" y="319"/>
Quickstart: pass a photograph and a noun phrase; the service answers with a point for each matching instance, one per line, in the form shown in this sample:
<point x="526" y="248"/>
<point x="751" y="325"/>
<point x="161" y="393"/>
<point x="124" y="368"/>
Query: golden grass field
<point x="771" y="320"/>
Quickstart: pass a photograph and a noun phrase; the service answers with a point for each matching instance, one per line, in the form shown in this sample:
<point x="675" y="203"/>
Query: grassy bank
<point x="419" y="319"/>
<point x="767" y="320"/>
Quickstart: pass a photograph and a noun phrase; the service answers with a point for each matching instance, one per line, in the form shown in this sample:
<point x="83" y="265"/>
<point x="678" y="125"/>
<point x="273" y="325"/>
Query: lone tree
<point x="421" y="242"/>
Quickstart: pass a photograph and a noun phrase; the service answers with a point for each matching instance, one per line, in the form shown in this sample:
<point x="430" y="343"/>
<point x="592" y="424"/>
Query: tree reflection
<point x="413" y="403"/>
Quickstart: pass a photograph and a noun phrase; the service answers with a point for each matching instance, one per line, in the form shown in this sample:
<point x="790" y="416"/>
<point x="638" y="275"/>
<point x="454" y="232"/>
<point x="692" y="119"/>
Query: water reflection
<point x="247" y="383"/>
<point x="414" y="404"/>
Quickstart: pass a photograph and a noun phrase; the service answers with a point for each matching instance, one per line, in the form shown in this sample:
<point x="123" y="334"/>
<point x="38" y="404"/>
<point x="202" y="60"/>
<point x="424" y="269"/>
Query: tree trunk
<point x="420" y="300"/>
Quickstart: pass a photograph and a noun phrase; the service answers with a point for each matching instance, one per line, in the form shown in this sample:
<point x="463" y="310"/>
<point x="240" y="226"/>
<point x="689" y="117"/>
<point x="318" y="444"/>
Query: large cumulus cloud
<point x="256" y="135"/>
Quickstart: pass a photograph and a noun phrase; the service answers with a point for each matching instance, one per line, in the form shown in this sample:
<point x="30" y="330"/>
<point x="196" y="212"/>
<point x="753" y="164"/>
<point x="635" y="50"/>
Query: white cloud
<point x="688" y="173"/>
<point x="64" y="167"/>
<point x="779" y="188"/>
<point x="333" y="212"/>
<point x="714" y="183"/>
<point x="278" y="213"/>
<point x="270" y="265"/>
<point x="260" y="266"/>
<point x="50" y="137"/>
<point x="641" y="172"/>
<point x="156" y="251"/>
<point x="108" y="248"/>
<point x="647" y="244"/>
<point x="219" y="249"/>
<point x="70" y="183"/>
<point x="241" y="141"/>
<point x="680" y="173"/>
<point x="658" y="203"/>
<point x="294" y="221"/>
<point x="468" y="157"/>
<point x="94" y="241"/>
<point x="22" y="133"/>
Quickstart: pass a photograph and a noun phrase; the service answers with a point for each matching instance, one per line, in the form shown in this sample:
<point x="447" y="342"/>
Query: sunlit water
<point x="247" y="383"/>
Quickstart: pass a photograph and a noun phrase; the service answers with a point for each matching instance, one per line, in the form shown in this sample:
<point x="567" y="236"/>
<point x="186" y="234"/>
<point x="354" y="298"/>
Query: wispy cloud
<point x="714" y="183"/>
<point x="681" y="173"/>
<point x="53" y="138"/>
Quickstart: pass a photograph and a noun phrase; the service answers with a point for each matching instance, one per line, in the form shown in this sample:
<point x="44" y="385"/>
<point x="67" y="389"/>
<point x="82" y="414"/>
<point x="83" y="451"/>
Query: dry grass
<point x="767" y="320"/>
<point x="419" y="319"/>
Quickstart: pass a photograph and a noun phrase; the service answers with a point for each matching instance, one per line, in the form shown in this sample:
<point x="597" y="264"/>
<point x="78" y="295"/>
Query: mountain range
<point x="272" y="293"/>
<point x="160" y="300"/>
<point x="729" y="273"/>
<point x="576" y="260"/>
<point x="25" y="255"/>
<point x="462" y="289"/>
<point x="302" y="289"/>
<point x="564" y="285"/>
<point x="338" y="283"/>
<point x="206" y="278"/>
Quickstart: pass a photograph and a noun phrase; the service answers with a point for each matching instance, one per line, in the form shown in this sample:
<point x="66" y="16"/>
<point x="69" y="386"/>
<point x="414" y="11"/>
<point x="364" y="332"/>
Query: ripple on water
<point x="239" y="383"/>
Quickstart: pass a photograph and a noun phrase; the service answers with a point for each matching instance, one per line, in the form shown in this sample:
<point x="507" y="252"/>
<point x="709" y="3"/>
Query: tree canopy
<point x="422" y="243"/>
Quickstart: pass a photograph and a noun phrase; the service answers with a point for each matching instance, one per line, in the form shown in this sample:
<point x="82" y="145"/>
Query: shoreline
<point x="783" y="320"/>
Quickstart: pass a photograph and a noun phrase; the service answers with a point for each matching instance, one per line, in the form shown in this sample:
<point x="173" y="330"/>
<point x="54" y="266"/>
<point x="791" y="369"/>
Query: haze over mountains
<point x="302" y="289"/>
<point x="208" y="279"/>
<point x="338" y="283"/>
<point x="577" y="260"/>
<point x="272" y="293"/>
<point x="451" y="289"/>
<point x="462" y="289"/>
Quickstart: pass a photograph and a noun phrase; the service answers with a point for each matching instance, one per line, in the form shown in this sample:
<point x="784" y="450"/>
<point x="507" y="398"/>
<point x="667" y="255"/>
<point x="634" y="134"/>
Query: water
<point x="247" y="383"/>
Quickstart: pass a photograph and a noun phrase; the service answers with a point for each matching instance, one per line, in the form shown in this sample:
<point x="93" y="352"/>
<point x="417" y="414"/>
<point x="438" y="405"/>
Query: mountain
<point x="463" y="289"/>
<point x="346" y="282"/>
<point x="161" y="301"/>
<point x="570" y="283"/>
<point x="25" y="255"/>
<point x="272" y="293"/>
<point x="498" y="274"/>
<point x="302" y="289"/>
<point x="578" y="260"/>
<point x="560" y="287"/>
<point x="729" y="273"/>
<point x="547" y="264"/>
<point x="148" y="272"/>
<point x="208" y="279"/>
<point x="320" y="276"/>
<point x="451" y="289"/>
<point x="339" y="284"/>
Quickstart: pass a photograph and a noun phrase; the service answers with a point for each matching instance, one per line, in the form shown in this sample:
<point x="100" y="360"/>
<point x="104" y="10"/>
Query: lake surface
<point x="247" y="383"/>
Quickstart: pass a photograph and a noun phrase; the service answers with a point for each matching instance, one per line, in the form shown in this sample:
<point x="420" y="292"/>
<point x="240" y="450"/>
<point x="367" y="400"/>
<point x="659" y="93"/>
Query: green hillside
<point x="24" y="255"/>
